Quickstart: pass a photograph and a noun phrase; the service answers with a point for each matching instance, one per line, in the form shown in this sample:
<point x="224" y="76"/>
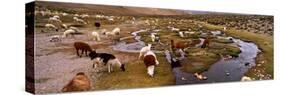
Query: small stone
<point x="227" y="74"/>
<point x="182" y="78"/>
<point x="247" y="64"/>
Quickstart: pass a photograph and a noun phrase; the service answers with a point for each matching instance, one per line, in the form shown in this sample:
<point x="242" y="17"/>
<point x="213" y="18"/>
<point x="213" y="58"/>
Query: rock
<point x="247" y="64"/>
<point x="245" y="78"/>
<point x="227" y="73"/>
<point x="259" y="65"/>
<point x="182" y="78"/>
<point x="200" y="77"/>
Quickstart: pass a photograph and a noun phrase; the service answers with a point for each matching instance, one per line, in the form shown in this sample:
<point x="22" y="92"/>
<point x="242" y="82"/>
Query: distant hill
<point x="108" y="9"/>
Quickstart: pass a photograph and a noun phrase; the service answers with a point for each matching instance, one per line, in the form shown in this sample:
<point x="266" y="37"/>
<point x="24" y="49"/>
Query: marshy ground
<point x="56" y="62"/>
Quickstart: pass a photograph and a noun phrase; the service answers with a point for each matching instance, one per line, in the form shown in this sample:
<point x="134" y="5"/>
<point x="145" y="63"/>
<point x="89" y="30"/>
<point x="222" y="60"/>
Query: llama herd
<point x="80" y="81"/>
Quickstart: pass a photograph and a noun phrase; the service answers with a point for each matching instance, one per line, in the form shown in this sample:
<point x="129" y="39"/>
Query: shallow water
<point x="133" y="47"/>
<point x="224" y="70"/>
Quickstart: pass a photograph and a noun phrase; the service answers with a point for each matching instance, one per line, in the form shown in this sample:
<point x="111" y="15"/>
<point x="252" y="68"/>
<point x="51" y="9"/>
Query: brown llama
<point x="82" y="46"/>
<point x="178" y="45"/>
<point x="80" y="82"/>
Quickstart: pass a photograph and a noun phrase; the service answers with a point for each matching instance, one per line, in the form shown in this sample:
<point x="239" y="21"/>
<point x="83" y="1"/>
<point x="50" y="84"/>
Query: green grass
<point x="136" y="76"/>
<point x="206" y="60"/>
<point x="222" y="40"/>
<point x="264" y="42"/>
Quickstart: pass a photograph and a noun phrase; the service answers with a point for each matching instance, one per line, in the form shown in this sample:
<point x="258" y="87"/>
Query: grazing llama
<point x="107" y="59"/>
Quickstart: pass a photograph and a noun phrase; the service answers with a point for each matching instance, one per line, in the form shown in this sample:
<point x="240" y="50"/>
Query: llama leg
<point x="140" y="55"/>
<point x="108" y="67"/>
<point x="157" y="62"/>
<point x="98" y="38"/>
<point x="86" y="53"/>
<point x="82" y="53"/>
<point x="111" y="67"/>
<point x="150" y="70"/>
<point x="77" y="51"/>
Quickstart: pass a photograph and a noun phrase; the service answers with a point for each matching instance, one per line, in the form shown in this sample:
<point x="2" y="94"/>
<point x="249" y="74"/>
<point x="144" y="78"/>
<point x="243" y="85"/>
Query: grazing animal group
<point x="80" y="82"/>
<point x="79" y="20"/>
<point x="115" y="31"/>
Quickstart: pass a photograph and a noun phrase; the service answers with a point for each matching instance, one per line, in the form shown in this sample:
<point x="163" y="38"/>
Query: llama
<point x="107" y="59"/>
<point x="79" y="20"/>
<point x="205" y="43"/>
<point x="80" y="82"/>
<point x="178" y="45"/>
<point x="82" y="46"/>
<point x="64" y="26"/>
<point x="144" y="50"/>
<point x="68" y="32"/>
<point x="54" y="19"/>
<point x="152" y="37"/>
<point x="51" y="26"/>
<point x="73" y="28"/>
<point x="56" y="16"/>
<point x="175" y="29"/>
<point x="116" y="30"/>
<point x="173" y="61"/>
<point x="181" y="34"/>
<point x="150" y="62"/>
<point x="55" y="38"/>
<point x="95" y="36"/>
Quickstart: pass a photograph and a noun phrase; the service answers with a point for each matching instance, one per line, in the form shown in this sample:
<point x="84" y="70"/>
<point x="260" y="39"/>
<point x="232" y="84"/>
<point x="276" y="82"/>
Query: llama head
<point x="175" y="63"/>
<point x="92" y="54"/>
<point x="149" y="45"/>
<point x="122" y="67"/>
<point x="172" y="41"/>
<point x="103" y="31"/>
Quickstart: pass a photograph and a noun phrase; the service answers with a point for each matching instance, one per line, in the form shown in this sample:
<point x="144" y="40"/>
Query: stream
<point x="222" y="71"/>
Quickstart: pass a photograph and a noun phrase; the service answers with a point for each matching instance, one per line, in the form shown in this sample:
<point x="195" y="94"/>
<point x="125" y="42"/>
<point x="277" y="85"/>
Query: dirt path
<point x="57" y="62"/>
